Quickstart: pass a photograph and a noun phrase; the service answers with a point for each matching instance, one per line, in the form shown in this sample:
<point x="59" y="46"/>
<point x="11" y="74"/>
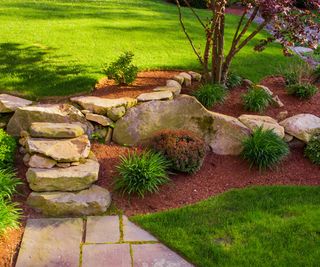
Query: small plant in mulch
<point x="141" y="173"/>
<point x="302" y="90"/>
<point x="312" y="150"/>
<point x="256" y="99"/>
<point x="8" y="146"/>
<point x="233" y="80"/>
<point x="123" y="71"/>
<point x="264" y="149"/>
<point x="210" y="94"/>
<point x="184" y="149"/>
<point x="9" y="212"/>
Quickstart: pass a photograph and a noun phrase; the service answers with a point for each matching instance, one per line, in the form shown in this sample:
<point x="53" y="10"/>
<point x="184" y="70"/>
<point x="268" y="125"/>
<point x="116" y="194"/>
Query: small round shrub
<point x="256" y="99"/>
<point x="210" y="94"/>
<point x="8" y="147"/>
<point x="312" y="150"/>
<point x="264" y="149"/>
<point x="141" y="173"/>
<point x="302" y="90"/>
<point x="122" y="70"/>
<point x="184" y="150"/>
<point x="233" y="80"/>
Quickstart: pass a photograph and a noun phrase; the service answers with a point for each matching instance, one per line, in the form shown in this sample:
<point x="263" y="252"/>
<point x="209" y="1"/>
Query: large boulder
<point x="267" y="123"/>
<point x="101" y="105"/>
<point x="9" y="103"/>
<point x="25" y="116"/>
<point x="224" y="134"/>
<point x="92" y="201"/>
<point x="73" y="178"/>
<point x="302" y="126"/>
<point x="55" y="130"/>
<point x="61" y="150"/>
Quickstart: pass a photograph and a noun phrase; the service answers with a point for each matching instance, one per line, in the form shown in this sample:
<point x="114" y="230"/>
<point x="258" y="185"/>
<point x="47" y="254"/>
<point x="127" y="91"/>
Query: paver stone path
<point x="97" y="241"/>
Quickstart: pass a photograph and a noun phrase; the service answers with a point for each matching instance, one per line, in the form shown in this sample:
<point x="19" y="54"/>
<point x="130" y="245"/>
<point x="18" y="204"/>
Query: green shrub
<point x="233" y="80"/>
<point x="302" y="90"/>
<point x="9" y="216"/>
<point x="183" y="149"/>
<point x="316" y="73"/>
<point x="312" y="150"/>
<point x="122" y="70"/>
<point x="210" y="94"/>
<point x="8" y="147"/>
<point x="264" y="149"/>
<point x="141" y="173"/>
<point x="8" y="183"/>
<point x="256" y="99"/>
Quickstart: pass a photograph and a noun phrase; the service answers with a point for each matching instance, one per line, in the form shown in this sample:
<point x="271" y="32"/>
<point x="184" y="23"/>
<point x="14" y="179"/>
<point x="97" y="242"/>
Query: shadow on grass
<point x="34" y="72"/>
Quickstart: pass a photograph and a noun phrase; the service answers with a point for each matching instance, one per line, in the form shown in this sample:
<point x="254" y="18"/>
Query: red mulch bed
<point x="218" y="174"/>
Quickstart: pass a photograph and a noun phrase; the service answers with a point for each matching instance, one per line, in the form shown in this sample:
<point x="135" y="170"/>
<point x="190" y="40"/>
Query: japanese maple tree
<point x="289" y="26"/>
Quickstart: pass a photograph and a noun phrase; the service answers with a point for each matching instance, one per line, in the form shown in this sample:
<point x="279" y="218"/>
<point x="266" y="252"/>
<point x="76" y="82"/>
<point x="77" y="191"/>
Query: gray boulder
<point x="222" y="133"/>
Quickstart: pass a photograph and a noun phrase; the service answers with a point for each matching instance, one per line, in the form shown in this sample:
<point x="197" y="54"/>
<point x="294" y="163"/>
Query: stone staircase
<point x="62" y="170"/>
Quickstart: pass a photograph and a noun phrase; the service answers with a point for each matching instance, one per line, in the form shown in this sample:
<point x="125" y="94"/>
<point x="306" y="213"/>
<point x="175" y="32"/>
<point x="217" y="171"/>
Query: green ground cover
<point x="257" y="226"/>
<point x="57" y="47"/>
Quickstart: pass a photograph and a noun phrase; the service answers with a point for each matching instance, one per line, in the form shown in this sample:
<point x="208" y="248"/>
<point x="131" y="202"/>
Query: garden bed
<point x="218" y="174"/>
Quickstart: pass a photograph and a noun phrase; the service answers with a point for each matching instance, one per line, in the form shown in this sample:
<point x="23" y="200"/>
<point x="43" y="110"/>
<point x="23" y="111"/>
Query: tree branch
<point x="187" y="35"/>
<point x="194" y="13"/>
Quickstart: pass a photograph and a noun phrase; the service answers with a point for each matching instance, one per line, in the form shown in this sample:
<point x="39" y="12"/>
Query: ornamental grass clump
<point x="312" y="150"/>
<point x="8" y="146"/>
<point x="233" y="80"/>
<point x="210" y="94"/>
<point x="264" y="149"/>
<point x="256" y="99"/>
<point x="8" y="183"/>
<point x="141" y="173"/>
<point x="184" y="149"/>
<point x="302" y="90"/>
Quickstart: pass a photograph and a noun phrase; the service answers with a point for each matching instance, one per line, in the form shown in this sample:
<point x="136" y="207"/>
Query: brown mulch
<point x="218" y="174"/>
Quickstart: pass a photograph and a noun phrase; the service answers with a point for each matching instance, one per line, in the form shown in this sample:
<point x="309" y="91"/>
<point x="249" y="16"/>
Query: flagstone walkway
<point x="92" y="242"/>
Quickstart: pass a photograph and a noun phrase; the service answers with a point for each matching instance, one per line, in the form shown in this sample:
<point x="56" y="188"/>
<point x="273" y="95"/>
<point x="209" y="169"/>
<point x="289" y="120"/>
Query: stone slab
<point x="106" y="255"/>
<point x="157" y="95"/>
<point x="101" y="105"/>
<point x="148" y="255"/>
<point x="72" y="178"/>
<point x="103" y="229"/>
<point x="132" y="232"/>
<point x="56" y="130"/>
<point x="9" y="103"/>
<point x="51" y="243"/>
<point x="92" y="201"/>
<point x="61" y="150"/>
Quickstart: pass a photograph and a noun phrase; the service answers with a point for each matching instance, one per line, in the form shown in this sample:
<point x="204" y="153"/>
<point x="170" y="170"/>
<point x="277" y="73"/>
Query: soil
<point x="218" y="174"/>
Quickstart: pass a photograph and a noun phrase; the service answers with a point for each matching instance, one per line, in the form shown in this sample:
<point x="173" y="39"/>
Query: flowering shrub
<point x="183" y="149"/>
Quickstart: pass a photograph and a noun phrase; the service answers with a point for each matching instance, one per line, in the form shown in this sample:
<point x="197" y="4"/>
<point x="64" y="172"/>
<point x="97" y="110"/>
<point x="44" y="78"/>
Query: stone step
<point x="157" y="95"/>
<point x="56" y="113"/>
<point x="92" y="201"/>
<point x="56" y="130"/>
<point x="61" y="150"/>
<point x="73" y="178"/>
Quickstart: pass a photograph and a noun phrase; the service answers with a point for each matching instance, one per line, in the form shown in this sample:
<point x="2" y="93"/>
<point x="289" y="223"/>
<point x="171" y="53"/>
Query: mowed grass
<point x="56" y="47"/>
<point x="257" y="226"/>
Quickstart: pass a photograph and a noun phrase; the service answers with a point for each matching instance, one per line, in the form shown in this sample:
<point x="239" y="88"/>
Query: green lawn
<point x="56" y="47"/>
<point x="258" y="226"/>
